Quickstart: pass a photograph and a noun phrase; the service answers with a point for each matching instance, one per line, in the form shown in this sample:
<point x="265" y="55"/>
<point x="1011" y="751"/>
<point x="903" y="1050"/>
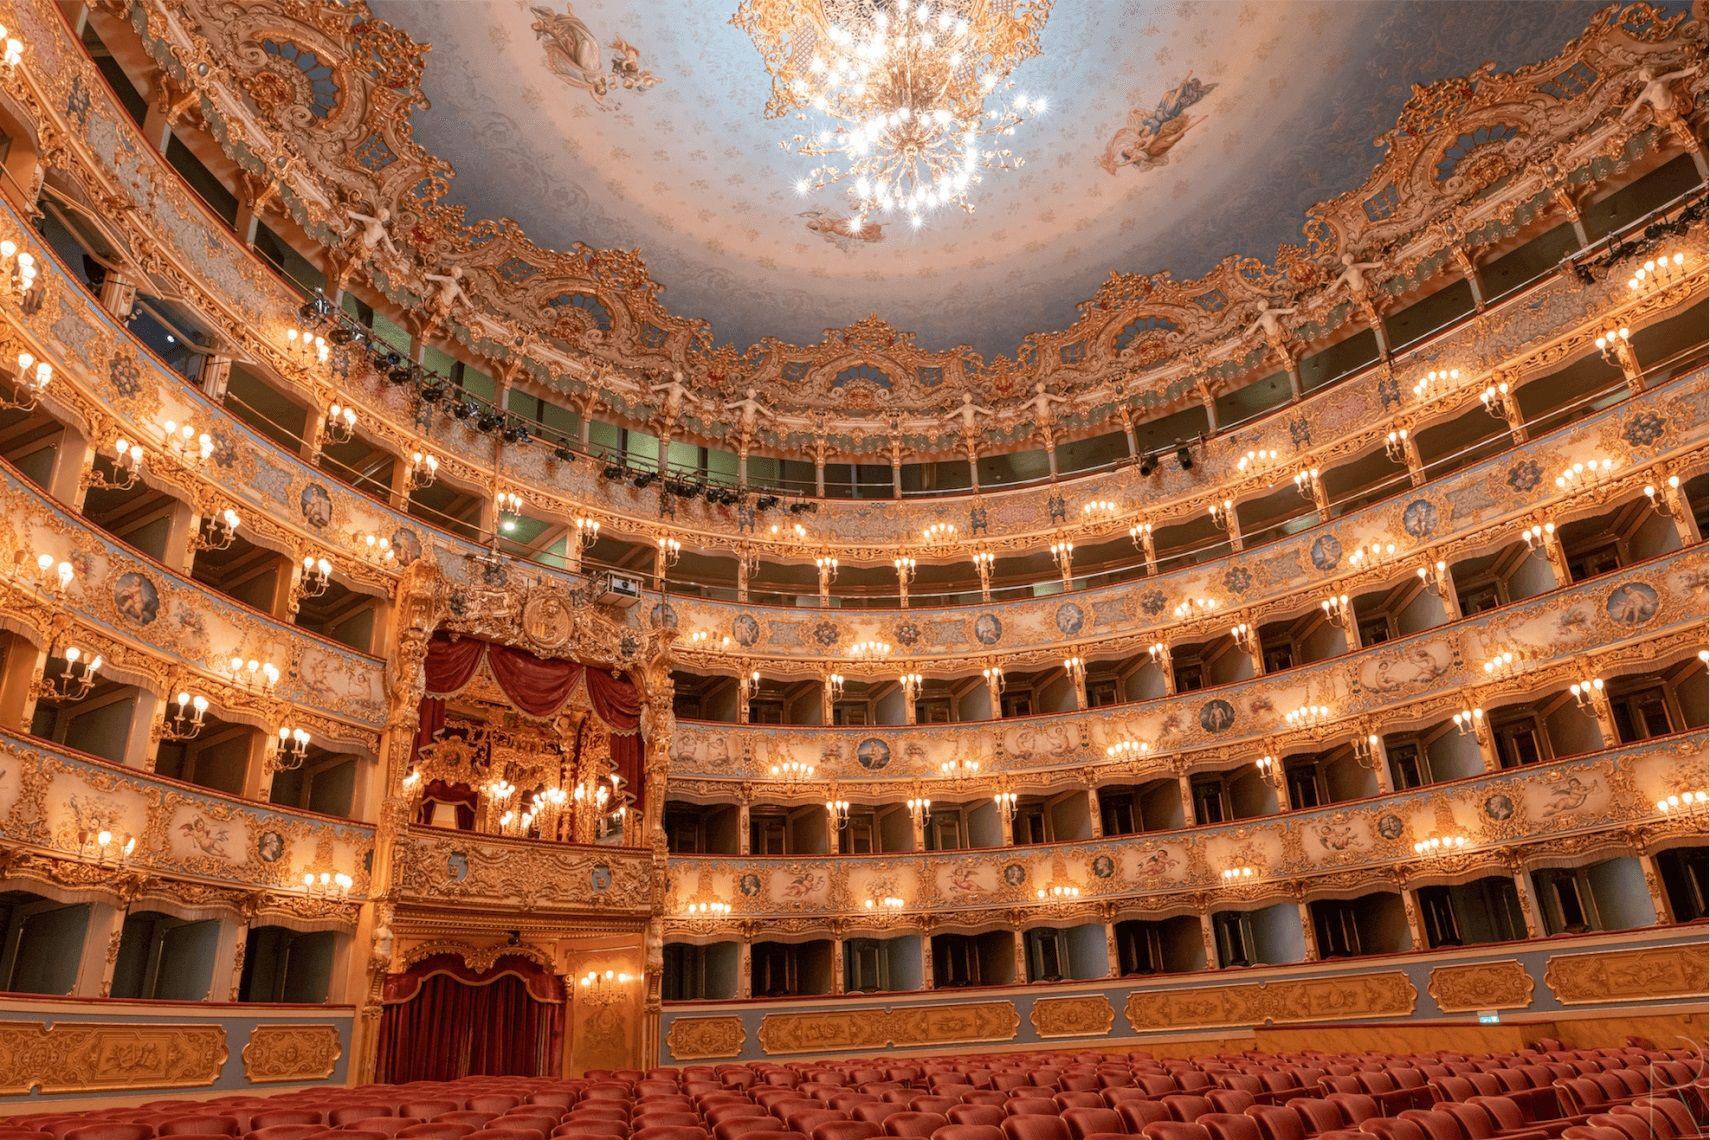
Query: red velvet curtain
<point x="455" y="1022"/>
<point x="538" y="686"/>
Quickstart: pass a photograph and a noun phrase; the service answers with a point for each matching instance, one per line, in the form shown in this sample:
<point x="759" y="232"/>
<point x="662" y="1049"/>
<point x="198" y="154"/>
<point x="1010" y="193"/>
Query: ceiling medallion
<point x="907" y="103"/>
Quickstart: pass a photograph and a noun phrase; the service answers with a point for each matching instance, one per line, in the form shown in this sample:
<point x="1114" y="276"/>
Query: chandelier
<point x="905" y="103"/>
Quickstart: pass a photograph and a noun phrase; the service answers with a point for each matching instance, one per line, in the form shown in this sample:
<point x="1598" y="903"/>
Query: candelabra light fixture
<point x="1005" y="802"/>
<point x="994" y="677"/>
<point x="374" y="547"/>
<point x="1657" y="272"/>
<point x="218" y="530"/>
<point x="1222" y="514"/>
<point x="127" y="468"/>
<point x="1395" y="445"/>
<point x="670" y="549"/>
<point x="1159" y="651"/>
<point x="983" y="562"/>
<point x="422" y="470"/>
<point x="604" y="987"/>
<point x="1306" y="480"/>
<point x="1063" y="554"/>
<point x="919" y="809"/>
<point x="1140" y="534"/>
<point x="1239" y="874"/>
<point x="1245" y="636"/>
<point x="1367" y="749"/>
<point x="1194" y="607"/>
<point x="186" y="443"/>
<point x="834" y="686"/>
<point x="1676" y="803"/>
<point x="52" y="576"/>
<point x="871" y="649"/>
<point x="75" y="679"/>
<point x="316" y="578"/>
<point x="1128" y="748"/>
<point x="1307" y="716"/>
<point x="252" y="673"/>
<point x="587" y="530"/>
<point x="31" y="381"/>
<point x="958" y="769"/>
<point x="1058" y="892"/>
<point x="884" y="903"/>
<point x="1469" y="721"/>
<point x="1501" y="665"/>
<point x="707" y="908"/>
<point x="1586" y="692"/>
<point x="103" y="845"/>
<point x="1612" y="342"/>
<point x="1434" y="574"/>
<point x="1495" y="399"/>
<point x="18" y="265"/>
<point x="838" y="811"/>
<point x="1076" y="667"/>
<point x="939" y="532"/>
<point x="293" y="747"/>
<point x="912" y="684"/>
<point x="1435" y="381"/>
<point x="1098" y="508"/>
<point x="185" y="717"/>
<point x="1661" y="502"/>
<point x="826" y="564"/>
<point x="1255" y="458"/>
<point x="1440" y="845"/>
<point x="508" y="505"/>
<point x="1535" y="536"/>
<point x="339" y="425"/>
<point x="1269" y="769"/>
<point x="905" y="567"/>
<point x="306" y="346"/>
<point x="905" y="106"/>
<point x="327" y="884"/>
<point x="1336" y="607"/>
<point x="1371" y="554"/>
<point x="1584" y="475"/>
<point x="793" y="771"/>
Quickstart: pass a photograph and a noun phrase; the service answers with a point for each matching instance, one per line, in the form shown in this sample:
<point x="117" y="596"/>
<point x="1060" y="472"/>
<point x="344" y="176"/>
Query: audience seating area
<point x="1634" y="1093"/>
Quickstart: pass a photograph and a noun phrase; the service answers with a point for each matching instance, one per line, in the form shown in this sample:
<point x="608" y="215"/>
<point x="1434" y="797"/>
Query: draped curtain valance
<point x="541" y="983"/>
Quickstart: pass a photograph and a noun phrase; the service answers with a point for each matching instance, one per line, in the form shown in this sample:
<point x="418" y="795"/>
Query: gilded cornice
<point x="197" y="850"/>
<point x="1562" y="812"/>
<point x="1407" y="216"/>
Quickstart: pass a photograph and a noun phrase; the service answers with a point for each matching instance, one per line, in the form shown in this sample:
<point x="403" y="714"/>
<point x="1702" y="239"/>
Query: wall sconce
<point x="257" y="676"/>
<point x="1583" y="476"/>
<point x="1683" y="802"/>
<point x="1127" y="749"/>
<point x="374" y="547"/>
<point x="1238" y="874"/>
<point x="339" y="425"/>
<point x="184" y="717"/>
<point x="1245" y="636"/>
<point x="1496" y="400"/>
<point x="826" y="564"/>
<point x="103" y="846"/>
<point x="185" y="442"/>
<point x="834" y="685"/>
<point x="74" y="681"/>
<point x="1222" y="514"/>
<point x="516" y="823"/>
<point x="1063" y="554"/>
<point x="790" y="533"/>
<point x="604" y="989"/>
<point x="793" y="771"/>
<point x="1534" y="536"/>
<point x="1005" y="802"/>
<point x="1194" y="607"/>
<point x="587" y="529"/>
<point x="670" y="549"/>
<point x="1095" y="508"/>
<point x="1057" y="892"/>
<point x="127" y="468"/>
<point x="1395" y="445"/>
<point x="1470" y="722"/>
<point x="19" y="265"/>
<point x="1336" y="607"/>
<point x="905" y="568"/>
<point x="983" y="561"/>
<point x="31" y="381"/>
<point x="421" y="471"/>
<point x="1660" y="502"/>
<point x="918" y="810"/>
<point x="1439" y="845"/>
<point x="1587" y="693"/>
<point x="326" y="885"/>
<point x="1255" y="457"/>
<point x="1371" y="554"/>
<point x="1076" y="668"/>
<point x="1307" y="716"/>
<point x="1657" y="272"/>
<point x="1611" y="344"/>
<point x="939" y="532"/>
<point x="14" y="52"/>
<point x="870" y="650"/>
<point x="508" y="505"/>
<point x="1270" y="770"/>
<point x="293" y="747"/>
<point x="912" y="683"/>
<point x="1367" y="749"/>
<point x="307" y="347"/>
<point x="958" y="769"/>
<point x="838" y="812"/>
<point x="887" y="903"/>
<point x="1435" y="574"/>
<point x="1306" y="482"/>
<point x="710" y="908"/>
<point x="993" y="674"/>
<point x="1502" y="665"/>
<point x="53" y="577"/>
<point x="1159" y="652"/>
<point x="316" y="578"/>
<point x="218" y="531"/>
<point x="1140" y="534"/>
<point x="1434" y="381"/>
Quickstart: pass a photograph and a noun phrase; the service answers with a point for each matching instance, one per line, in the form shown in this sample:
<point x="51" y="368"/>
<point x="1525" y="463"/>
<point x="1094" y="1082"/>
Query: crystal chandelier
<point x="907" y="102"/>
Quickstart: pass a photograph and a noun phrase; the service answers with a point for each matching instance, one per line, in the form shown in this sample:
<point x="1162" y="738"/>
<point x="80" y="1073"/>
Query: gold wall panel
<point x="1072" y="1017"/>
<point x="1629" y="975"/>
<point x="1481" y="985"/>
<point x="877" y="1028"/>
<point x="696" y="1038"/>
<point x="1389" y="994"/>
<point x="291" y="1053"/>
<point x="83" y="1056"/>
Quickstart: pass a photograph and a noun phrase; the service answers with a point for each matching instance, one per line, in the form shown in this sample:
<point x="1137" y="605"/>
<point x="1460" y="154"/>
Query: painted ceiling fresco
<point x="1178" y="133"/>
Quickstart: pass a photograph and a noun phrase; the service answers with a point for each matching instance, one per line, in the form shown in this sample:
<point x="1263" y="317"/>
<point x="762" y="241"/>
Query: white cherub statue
<point x="374" y="235"/>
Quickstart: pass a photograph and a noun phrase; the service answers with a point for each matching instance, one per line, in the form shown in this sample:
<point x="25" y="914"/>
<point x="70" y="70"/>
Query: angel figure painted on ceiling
<point x="573" y="54"/>
<point x="1146" y="140"/>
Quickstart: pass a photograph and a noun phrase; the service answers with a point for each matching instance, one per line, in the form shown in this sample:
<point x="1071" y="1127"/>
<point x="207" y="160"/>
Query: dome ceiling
<point x="1257" y="110"/>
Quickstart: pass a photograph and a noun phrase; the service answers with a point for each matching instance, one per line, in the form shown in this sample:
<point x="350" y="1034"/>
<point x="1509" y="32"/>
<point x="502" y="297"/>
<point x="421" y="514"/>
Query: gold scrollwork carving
<point x="1629" y="975"/>
<point x="80" y="1056"/>
<point x="291" y="1053"/>
<point x="1389" y="994"/>
<point x="1072" y="1017"/>
<point x="700" y="1038"/>
<point x="825" y="1030"/>
<point x="1481" y="985"/>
